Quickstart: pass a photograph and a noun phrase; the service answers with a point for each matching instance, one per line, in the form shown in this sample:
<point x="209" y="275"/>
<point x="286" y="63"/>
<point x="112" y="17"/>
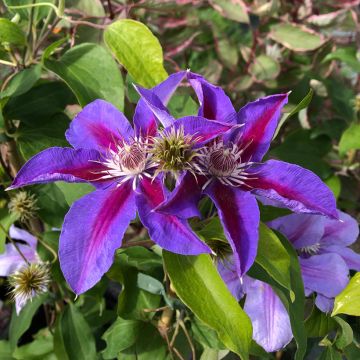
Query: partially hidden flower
<point x="232" y="175"/>
<point x="325" y="260"/>
<point x="11" y="261"/>
<point x="324" y="255"/>
<point x="118" y="160"/>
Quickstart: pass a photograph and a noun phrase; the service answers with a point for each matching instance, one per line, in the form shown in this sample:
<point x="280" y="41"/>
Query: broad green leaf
<point x="73" y="191"/>
<point x="20" y="323"/>
<point x="42" y="348"/>
<point x="233" y="10"/>
<point x="40" y="103"/>
<point x="119" y="336"/>
<point x="73" y="338"/>
<point x="205" y="335"/>
<point x="264" y="68"/>
<point x="125" y="269"/>
<point x="182" y="105"/>
<point x="273" y="257"/>
<point x="91" y="73"/>
<point x="346" y="55"/>
<point x="22" y="82"/>
<point x="195" y="275"/>
<point x="345" y="334"/>
<point x="39" y="135"/>
<point x="350" y="139"/>
<point x="303" y="104"/>
<point x="5" y="350"/>
<point x="138" y="50"/>
<point x="352" y="352"/>
<point x="347" y="302"/>
<point x="319" y="324"/>
<point x="295" y="37"/>
<point x="51" y="48"/>
<point x="330" y="354"/>
<point x="11" y="33"/>
<point x="213" y="354"/>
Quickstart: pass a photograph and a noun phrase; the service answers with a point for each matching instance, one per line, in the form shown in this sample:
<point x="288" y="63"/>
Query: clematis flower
<point x="11" y="261"/>
<point x="232" y="175"/>
<point x="324" y="255"/>
<point x="109" y="154"/>
<point x="325" y="260"/>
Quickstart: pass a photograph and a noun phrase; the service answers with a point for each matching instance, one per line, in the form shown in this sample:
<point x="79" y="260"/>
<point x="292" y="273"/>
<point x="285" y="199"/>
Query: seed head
<point x="29" y="281"/>
<point x="23" y="205"/>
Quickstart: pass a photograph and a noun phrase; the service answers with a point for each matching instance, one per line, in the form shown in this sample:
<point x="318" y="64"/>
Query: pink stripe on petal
<point x="93" y="229"/>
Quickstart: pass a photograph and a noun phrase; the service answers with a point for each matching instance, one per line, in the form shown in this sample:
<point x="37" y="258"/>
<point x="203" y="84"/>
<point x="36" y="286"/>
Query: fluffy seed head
<point x="173" y="151"/>
<point x="29" y="281"/>
<point x="23" y="205"/>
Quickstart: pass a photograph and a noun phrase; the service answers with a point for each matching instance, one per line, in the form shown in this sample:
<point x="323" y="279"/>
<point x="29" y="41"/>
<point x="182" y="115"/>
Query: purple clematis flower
<point x="108" y="153"/>
<point x="231" y="173"/>
<point x="11" y="260"/>
<point x="324" y="255"/>
<point x="325" y="260"/>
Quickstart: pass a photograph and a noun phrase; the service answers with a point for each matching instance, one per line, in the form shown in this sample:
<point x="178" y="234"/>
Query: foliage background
<point x="55" y="60"/>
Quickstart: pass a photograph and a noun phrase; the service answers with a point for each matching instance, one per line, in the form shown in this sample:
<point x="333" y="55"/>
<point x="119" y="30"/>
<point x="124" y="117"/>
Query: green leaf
<point x="79" y="68"/>
<point x="273" y="257"/>
<point x="233" y="10"/>
<point x="39" y="349"/>
<point x="352" y="352"/>
<point x="73" y="338"/>
<point x="20" y="323"/>
<point x="319" y="324"/>
<point x="303" y="104"/>
<point x="40" y="103"/>
<point x="330" y="354"/>
<point x="347" y="302"/>
<point x="345" y="334"/>
<point x="125" y="270"/>
<point x="39" y="134"/>
<point x="334" y="184"/>
<point x="6" y="220"/>
<point x="73" y="191"/>
<point x="205" y="335"/>
<point x="264" y="68"/>
<point x="346" y="55"/>
<point x="138" y="50"/>
<point x="22" y="82"/>
<point x="11" y="33"/>
<point x="5" y="350"/>
<point x="295" y="37"/>
<point x="195" y="275"/>
<point x="350" y="139"/>
<point x="119" y="336"/>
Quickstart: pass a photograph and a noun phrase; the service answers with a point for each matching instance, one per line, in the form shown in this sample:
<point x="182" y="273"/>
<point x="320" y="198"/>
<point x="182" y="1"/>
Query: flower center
<point x="173" y="151"/>
<point x="311" y="249"/>
<point x="223" y="162"/>
<point x="133" y="157"/>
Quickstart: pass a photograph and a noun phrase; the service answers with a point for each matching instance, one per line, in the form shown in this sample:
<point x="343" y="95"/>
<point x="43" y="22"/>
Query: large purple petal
<point x="327" y="274"/>
<point x="351" y="258"/>
<point x="260" y="119"/>
<point x="343" y="232"/>
<point x="270" y="320"/>
<point x="93" y="229"/>
<point x="56" y="164"/>
<point x="98" y="126"/>
<point x="184" y="199"/>
<point x="201" y="129"/>
<point x="324" y="303"/>
<point x="155" y="105"/>
<point x="168" y="231"/>
<point x="144" y="119"/>
<point x="11" y="260"/>
<point x="301" y="229"/>
<point x="291" y="186"/>
<point x="239" y="214"/>
<point x="214" y="103"/>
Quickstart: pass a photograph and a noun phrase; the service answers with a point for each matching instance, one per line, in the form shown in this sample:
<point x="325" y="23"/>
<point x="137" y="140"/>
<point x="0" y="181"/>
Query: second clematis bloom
<point x="232" y="175"/>
<point x="117" y="159"/>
